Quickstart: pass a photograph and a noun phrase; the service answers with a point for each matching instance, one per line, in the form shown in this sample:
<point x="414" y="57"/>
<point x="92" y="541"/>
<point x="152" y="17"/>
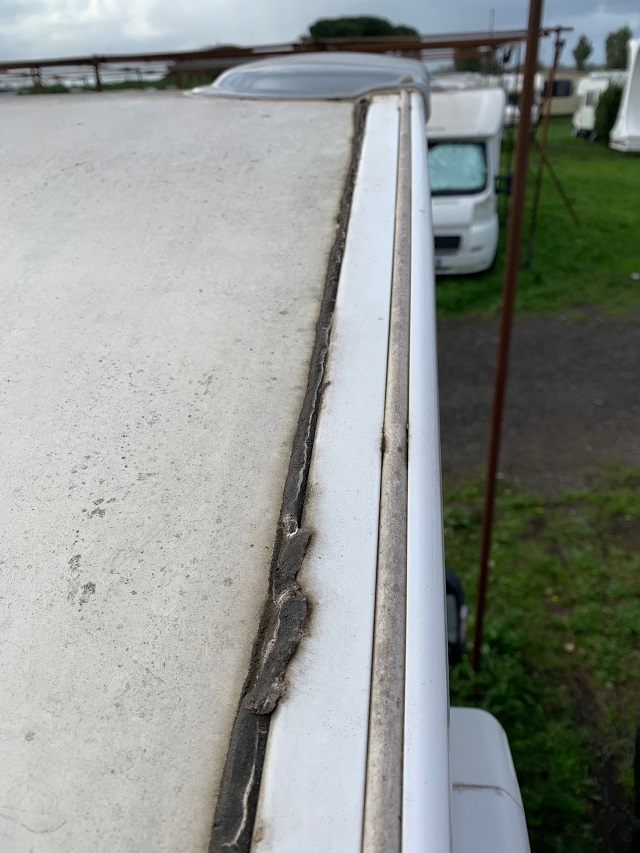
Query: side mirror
<point x="503" y="183"/>
<point x="457" y="613"/>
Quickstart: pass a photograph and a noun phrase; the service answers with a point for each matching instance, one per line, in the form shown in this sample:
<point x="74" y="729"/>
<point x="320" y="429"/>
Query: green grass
<point x="572" y="267"/>
<point x="561" y="652"/>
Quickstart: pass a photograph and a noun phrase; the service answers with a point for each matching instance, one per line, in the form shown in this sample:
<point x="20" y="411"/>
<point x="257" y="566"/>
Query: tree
<point x="467" y="59"/>
<point x="359" y="26"/>
<point x="616" y="48"/>
<point x="476" y="61"/>
<point x="582" y="51"/>
<point x="607" y="111"/>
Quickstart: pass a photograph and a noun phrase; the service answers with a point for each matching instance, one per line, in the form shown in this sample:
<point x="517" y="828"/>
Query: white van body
<point x="589" y="90"/>
<point x="625" y="135"/>
<point x="203" y="305"/>
<point x="512" y="84"/>
<point x="464" y="133"/>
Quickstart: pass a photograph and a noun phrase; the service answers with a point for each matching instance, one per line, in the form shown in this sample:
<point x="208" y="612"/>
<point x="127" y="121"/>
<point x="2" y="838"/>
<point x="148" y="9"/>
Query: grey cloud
<point x="200" y="23"/>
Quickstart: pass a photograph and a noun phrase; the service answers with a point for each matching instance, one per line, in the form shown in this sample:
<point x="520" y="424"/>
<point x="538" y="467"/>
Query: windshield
<point x="457" y="168"/>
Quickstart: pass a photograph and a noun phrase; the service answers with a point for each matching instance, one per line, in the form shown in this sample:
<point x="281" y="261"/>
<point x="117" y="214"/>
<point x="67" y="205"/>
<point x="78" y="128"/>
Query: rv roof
<point x="463" y="80"/>
<point x="156" y="326"/>
<point x="466" y="114"/>
<point x="598" y="81"/>
<point x="513" y="82"/>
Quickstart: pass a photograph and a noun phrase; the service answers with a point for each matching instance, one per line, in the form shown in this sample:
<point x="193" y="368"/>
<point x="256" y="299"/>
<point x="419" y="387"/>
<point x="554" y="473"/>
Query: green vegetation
<point x="607" y="111"/>
<point x="44" y="89"/>
<point x="188" y="79"/>
<point x="358" y="26"/>
<point x="616" y="47"/>
<point x="572" y="267"/>
<point x="561" y="653"/>
<point x="582" y="51"/>
<point x="180" y="79"/>
<point x="476" y="60"/>
<point x="61" y="88"/>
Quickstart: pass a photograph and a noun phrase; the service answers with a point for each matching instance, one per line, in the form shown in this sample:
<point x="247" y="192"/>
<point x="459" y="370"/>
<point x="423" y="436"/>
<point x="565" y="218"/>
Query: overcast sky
<point x="53" y="28"/>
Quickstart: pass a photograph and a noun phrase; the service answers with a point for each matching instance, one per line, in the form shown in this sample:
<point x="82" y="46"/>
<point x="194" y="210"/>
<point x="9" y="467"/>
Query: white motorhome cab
<point x="589" y="90"/>
<point x="625" y="135"/>
<point x="223" y="580"/>
<point x="464" y="134"/>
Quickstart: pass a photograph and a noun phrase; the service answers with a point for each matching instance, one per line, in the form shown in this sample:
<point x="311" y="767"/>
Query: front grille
<point x="447" y="245"/>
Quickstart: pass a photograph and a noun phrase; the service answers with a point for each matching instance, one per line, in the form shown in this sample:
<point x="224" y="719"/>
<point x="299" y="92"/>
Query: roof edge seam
<point x="286" y="606"/>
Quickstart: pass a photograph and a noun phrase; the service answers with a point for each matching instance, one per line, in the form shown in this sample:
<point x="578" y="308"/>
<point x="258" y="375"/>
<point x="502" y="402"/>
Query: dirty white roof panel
<point x="157" y="317"/>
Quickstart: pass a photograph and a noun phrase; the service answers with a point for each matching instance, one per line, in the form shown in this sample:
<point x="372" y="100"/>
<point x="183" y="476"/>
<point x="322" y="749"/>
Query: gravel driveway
<point x="573" y="399"/>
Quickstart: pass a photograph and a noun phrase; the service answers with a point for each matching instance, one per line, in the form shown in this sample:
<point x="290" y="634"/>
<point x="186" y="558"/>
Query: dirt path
<point x="573" y="399"/>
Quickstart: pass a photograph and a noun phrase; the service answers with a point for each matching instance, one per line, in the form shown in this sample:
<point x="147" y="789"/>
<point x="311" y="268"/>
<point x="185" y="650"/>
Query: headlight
<point x="484" y="210"/>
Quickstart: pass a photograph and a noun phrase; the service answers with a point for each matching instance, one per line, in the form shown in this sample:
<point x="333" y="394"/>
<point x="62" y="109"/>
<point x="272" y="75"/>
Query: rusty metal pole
<point x="96" y="71"/>
<point x="36" y="76"/>
<point x="546" y="118"/>
<point x="506" y="318"/>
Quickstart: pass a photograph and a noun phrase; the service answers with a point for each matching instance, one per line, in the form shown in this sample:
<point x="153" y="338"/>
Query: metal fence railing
<point x="178" y="68"/>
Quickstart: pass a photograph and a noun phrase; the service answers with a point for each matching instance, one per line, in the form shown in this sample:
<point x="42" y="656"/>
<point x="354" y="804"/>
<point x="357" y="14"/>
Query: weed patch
<point x="561" y="652"/>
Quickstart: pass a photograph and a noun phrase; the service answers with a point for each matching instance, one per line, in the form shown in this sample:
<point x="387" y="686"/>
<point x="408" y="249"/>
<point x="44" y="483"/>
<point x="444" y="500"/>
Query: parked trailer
<point x="223" y="577"/>
<point x="465" y="134"/>
<point x="564" y="92"/>
<point x="625" y="135"/>
<point x="589" y="90"/>
<point x="512" y="84"/>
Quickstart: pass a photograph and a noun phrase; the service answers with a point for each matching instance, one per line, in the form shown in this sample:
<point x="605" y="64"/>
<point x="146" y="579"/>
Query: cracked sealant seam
<point x="291" y="511"/>
<point x="245" y="802"/>
<point x="323" y="333"/>
<point x="383" y="785"/>
<point x="310" y="434"/>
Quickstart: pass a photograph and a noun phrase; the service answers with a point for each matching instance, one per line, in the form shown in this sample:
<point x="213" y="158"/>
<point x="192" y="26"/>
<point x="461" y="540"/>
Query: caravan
<point x="625" y="135"/>
<point x="589" y="90"/>
<point x="512" y="84"/>
<point x="464" y="134"/>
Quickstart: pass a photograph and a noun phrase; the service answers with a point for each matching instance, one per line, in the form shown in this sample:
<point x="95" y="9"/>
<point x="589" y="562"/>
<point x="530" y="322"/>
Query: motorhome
<point x="625" y="135"/>
<point x="512" y="84"/>
<point x="564" y="91"/>
<point x="464" y="135"/>
<point x="223" y="579"/>
<point x="589" y="90"/>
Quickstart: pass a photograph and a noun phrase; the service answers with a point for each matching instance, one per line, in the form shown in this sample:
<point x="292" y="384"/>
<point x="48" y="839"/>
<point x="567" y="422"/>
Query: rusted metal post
<point x="556" y="182"/>
<point x="546" y="119"/>
<point x="36" y="77"/>
<point x="96" y="69"/>
<point x="506" y="318"/>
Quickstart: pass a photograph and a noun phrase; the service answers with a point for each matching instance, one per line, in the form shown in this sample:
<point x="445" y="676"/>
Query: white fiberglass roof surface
<point x="163" y="264"/>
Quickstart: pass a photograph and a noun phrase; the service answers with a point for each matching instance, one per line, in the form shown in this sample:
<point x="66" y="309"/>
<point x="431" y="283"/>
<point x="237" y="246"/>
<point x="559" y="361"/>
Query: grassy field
<point x="573" y="268"/>
<point x="561" y="653"/>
